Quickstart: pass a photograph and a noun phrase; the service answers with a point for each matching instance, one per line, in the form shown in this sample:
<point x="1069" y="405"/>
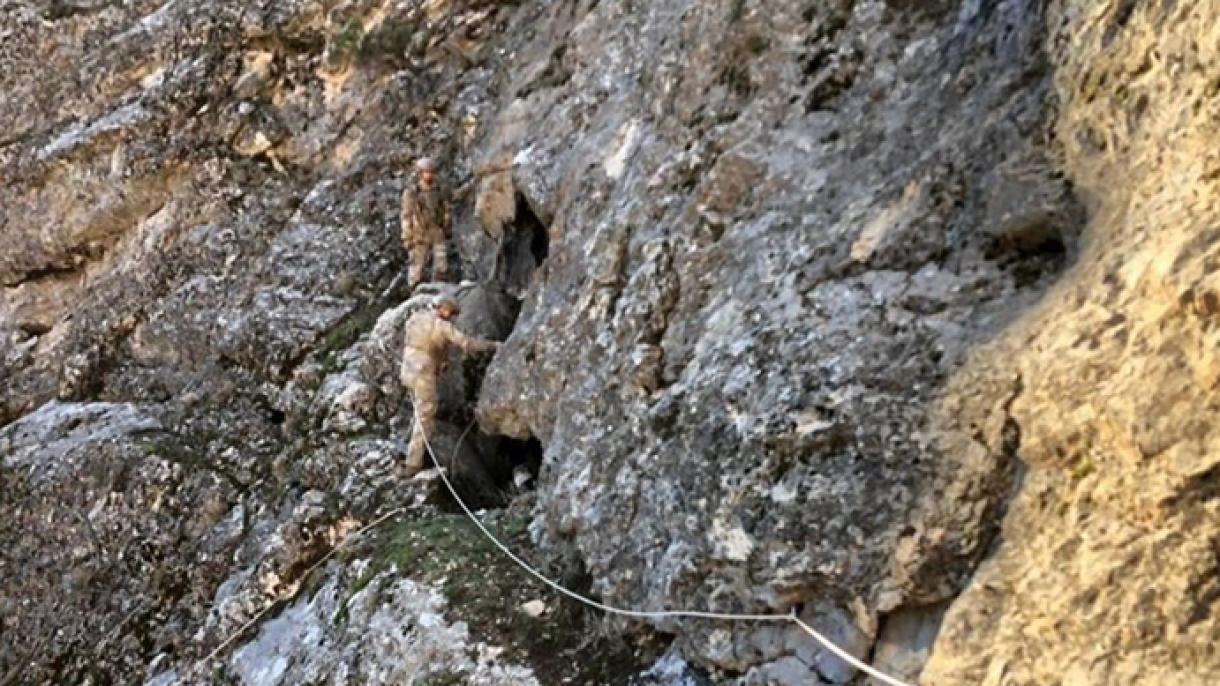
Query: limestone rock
<point x="391" y="631"/>
<point x="869" y="309"/>
<point x="1103" y="569"/>
<point x="128" y="516"/>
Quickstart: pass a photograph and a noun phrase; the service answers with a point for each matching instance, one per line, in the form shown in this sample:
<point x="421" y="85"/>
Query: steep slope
<point x="776" y="232"/>
<point x="1108" y="567"/>
<point x="877" y="310"/>
<point x="199" y="221"/>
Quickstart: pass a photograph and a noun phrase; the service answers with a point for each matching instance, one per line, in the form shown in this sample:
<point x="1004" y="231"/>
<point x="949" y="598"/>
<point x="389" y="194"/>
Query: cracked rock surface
<point x="1107" y="569"/>
<point x="897" y="314"/>
<point x="775" y="241"/>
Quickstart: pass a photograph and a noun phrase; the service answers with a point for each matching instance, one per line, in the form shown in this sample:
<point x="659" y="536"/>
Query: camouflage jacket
<point x="425" y="215"/>
<point x="428" y="338"/>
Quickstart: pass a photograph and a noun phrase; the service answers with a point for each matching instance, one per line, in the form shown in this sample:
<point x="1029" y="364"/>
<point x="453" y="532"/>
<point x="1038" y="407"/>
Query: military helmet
<point x="425" y="164"/>
<point x="446" y="301"/>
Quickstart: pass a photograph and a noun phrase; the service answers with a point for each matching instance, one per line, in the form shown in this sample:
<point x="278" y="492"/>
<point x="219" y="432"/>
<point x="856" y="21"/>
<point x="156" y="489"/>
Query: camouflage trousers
<point x="417" y="256"/>
<point x="419" y="377"/>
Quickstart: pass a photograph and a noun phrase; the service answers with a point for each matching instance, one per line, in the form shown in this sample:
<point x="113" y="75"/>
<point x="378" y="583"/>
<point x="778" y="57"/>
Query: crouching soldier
<point x="429" y="333"/>
<point x="425" y="220"/>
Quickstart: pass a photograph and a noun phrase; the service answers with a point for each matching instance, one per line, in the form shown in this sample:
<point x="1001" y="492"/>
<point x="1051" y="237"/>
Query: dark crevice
<point x="1048" y="244"/>
<point x="34" y="328"/>
<point x="1208" y="594"/>
<point x="525" y="246"/>
<point x="506" y="466"/>
<point x="929" y="9"/>
<point x="553" y="75"/>
<point x="50" y="271"/>
<point x="523" y="456"/>
<point x="1122" y="16"/>
<point x="16" y="139"/>
<point x="539" y="241"/>
<point x="914" y="627"/>
<point x="62" y="9"/>
<point x="1198" y="489"/>
<point x="1030" y="262"/>
<point x="487" y="471"/>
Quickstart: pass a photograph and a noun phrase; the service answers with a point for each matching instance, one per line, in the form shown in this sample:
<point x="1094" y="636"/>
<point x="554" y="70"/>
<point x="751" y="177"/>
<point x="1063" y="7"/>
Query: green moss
<point x="392" y="39"/>
<point x="389" y="40"/>
<point x="346" y="43"/>
<point x="359" y="322"/>
<point x="1083" y="468"/>
<point x="448" y="550"/>
<point x="486" y="590"/>
<point x="330" y="363"/>
<point x="756" y="44"/>
<point x="445" y="679"/>
<point x="482" y="586"/>
<point x="222" y="677"/>
<point x="349" y="330"/>
<point x="366" y="436"/>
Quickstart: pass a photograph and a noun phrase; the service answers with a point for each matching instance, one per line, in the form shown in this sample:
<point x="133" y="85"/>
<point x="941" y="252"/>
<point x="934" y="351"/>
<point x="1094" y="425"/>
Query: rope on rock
<point x="641" y="614"/>
<point x="255" y="619"/>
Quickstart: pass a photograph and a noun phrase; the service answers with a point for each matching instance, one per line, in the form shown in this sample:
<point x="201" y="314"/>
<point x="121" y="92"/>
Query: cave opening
<point x="521" y="461"/>
<point x="1031" y="260"/>
<point x="526" y="244"/>
<point x="490" y="471"/>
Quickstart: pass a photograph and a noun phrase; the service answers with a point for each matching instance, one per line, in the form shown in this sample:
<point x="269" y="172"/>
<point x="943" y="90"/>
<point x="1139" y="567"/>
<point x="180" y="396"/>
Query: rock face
<point x="392" y="631"/>
<point x="107" y="528"/>
<point x="1107" y="568"/>
<point x="895" y="314"/>
<point x="774" y="242"/>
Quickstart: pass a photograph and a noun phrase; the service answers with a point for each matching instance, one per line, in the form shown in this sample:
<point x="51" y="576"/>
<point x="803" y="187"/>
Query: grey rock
<point x="790" y="268"/>
<point x="391" y="631"/>
<point x="866" y="307"/>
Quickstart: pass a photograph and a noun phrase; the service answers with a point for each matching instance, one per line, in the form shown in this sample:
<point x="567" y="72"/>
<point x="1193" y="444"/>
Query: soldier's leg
<point x="416" y="254"/>
<point x="424" y="396"/>
<point x="440" y="261"/>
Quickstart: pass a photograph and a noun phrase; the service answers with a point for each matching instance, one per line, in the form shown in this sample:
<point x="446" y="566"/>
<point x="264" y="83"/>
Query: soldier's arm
<point x="473" y="182"/>
<point x="468" y="344"/>
<point x="408" y="216"/>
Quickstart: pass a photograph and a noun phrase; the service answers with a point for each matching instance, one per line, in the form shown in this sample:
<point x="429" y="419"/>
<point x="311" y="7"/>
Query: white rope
<point x="640" y="614"/>
<point x="255" y="619"/>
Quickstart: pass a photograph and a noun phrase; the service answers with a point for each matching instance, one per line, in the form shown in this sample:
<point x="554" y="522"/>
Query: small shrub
<point x="345" y="44"/>
<point x="393" y="39"/>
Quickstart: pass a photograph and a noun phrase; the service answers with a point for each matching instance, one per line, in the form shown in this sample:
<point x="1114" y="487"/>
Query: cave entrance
<point x="489" y="471"/>
<point x="524" y="247"/>
<point x="521" y="461"/>
<point x="1030" y="258"/>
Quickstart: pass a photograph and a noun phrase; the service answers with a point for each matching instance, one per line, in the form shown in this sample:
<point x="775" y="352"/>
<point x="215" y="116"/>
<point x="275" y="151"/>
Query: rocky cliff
<point x="898" y="315"/>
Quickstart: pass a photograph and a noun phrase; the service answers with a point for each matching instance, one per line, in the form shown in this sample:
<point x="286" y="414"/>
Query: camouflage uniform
<point x="425" y="228"/>
<point x="428" y="338"/>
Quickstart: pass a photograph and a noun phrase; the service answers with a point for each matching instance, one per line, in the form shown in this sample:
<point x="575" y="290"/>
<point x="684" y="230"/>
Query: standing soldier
<point x="425" y="222"/>
<point x="429" y="333"/>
